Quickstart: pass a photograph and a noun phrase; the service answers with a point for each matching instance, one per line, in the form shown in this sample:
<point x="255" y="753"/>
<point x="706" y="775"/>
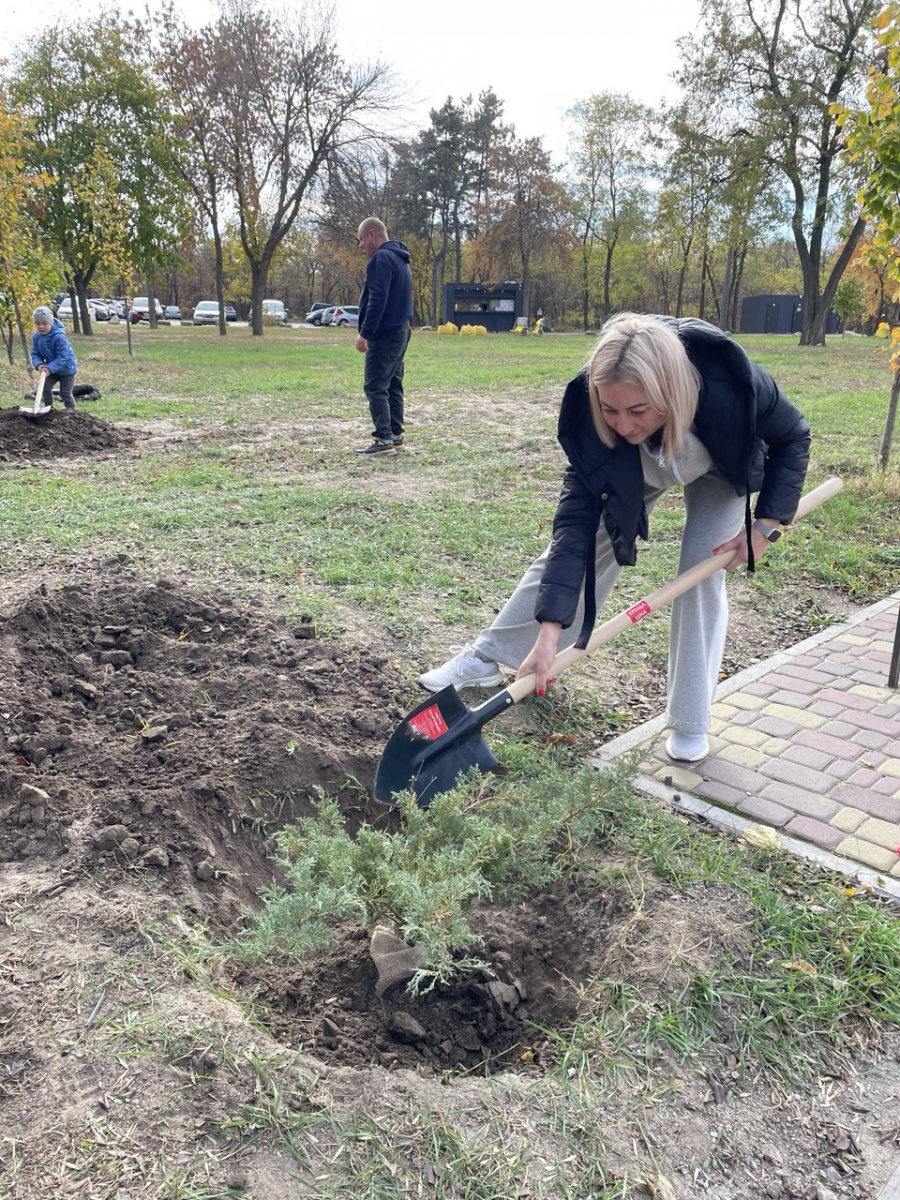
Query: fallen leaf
<point x="761" y="836"/>
<point x="657" y="1186"/>
<point x="800" y="965"/>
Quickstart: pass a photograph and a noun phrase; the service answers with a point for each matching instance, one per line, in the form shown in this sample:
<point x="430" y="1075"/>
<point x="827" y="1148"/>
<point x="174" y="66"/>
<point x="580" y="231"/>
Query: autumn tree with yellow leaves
<point x="25" y="270"/>
<point x="873" y="137"/>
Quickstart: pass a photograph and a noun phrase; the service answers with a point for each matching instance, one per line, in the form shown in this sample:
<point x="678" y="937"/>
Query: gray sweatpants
<point x="714" y="513"/>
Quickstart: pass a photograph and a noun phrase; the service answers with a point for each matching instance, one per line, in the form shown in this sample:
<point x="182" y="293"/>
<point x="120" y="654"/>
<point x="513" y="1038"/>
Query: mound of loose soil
<point x="147" y="725"/>
<point x="57" y="434"/>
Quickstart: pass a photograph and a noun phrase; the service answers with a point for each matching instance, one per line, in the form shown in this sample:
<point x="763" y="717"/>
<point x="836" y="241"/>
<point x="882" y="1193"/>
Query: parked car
<point x="328" y="313"/>
<point x="207" y="313"/>
<point x="172" y="312"/>
<point x="230" y="313"/>
<point x="347" y="314"/>
<point x="97" y="309"/>
<point x="272" y="308"/>
<point x="314" y="316"/>
<point x="140" y="309"/>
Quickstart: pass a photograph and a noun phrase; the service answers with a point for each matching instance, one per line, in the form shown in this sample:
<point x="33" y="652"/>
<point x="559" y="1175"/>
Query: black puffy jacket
<point x="754" y="435"/>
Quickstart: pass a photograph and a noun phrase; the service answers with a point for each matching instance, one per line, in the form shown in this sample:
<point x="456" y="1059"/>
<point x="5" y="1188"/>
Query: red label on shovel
<point x="641" y="609"/>
<point x="429" y="723"/>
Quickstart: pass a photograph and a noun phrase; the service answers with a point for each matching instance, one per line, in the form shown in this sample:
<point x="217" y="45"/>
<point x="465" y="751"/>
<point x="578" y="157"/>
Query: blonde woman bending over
<point x="662" y="402"/>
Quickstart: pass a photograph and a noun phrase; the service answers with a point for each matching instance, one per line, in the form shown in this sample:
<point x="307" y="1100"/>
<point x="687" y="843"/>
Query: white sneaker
<point x="687" y="747"/>
<point x="465" y="669"/>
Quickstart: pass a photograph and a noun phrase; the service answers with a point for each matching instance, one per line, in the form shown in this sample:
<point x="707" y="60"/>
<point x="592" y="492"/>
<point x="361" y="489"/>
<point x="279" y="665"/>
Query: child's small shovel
<point x="37" y="409"/>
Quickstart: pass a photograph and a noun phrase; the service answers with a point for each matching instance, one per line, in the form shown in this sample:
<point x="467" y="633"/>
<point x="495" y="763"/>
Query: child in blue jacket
<point x="52" y="354"/>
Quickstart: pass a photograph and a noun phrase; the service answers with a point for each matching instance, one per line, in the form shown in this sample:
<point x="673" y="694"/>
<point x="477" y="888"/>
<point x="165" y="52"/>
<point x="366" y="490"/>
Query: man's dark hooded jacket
<point x="385" y="302"/>
<point x="754" y="435"/>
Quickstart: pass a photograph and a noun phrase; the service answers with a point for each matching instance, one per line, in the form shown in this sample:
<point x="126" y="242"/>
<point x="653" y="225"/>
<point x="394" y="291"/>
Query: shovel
<point x="441" y="738"/>
<point x="37" y="409"/>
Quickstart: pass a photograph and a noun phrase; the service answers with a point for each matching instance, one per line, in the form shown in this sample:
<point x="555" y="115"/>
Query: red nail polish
<point x="541" y="692"/>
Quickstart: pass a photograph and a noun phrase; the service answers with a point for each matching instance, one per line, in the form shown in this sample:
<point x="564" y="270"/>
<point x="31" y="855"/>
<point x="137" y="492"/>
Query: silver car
<point x="345" y="314"/>
<point x="206" y="313"/>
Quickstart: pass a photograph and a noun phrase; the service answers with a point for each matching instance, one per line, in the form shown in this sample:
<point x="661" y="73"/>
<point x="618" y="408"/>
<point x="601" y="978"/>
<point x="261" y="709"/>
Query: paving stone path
<point x="807" y="743"/>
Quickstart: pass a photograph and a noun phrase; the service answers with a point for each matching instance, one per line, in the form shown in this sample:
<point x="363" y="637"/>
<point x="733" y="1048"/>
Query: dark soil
<point x="167" y="727"/>
<point x="56" y="434"/>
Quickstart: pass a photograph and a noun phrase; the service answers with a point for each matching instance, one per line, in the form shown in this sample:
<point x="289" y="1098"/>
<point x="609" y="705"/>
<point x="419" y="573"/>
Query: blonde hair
<point x="645" y="351"/>
<point x="373" y="225"/>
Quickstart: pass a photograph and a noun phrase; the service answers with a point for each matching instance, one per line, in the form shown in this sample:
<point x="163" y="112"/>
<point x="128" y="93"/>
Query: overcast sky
<point x="540" y="59"/>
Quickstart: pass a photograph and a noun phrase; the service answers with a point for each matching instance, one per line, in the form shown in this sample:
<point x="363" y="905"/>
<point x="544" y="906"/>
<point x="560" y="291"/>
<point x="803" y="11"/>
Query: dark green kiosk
<point x="495" y="306"/>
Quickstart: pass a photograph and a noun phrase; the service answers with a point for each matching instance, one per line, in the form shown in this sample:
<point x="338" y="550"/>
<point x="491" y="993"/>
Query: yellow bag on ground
<point x="448" y="328"/>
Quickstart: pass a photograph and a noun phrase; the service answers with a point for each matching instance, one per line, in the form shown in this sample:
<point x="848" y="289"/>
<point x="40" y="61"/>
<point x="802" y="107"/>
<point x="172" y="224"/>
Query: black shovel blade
<point x="434" y="744"/>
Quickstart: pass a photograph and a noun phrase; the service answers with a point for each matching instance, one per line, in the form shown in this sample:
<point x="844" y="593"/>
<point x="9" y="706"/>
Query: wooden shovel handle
<point x="664" y="595"/>
<point x="42" y="379"/>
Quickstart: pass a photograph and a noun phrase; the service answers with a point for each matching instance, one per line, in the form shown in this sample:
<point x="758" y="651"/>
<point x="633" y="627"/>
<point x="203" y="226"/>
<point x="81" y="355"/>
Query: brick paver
<point x="808" y="744"/>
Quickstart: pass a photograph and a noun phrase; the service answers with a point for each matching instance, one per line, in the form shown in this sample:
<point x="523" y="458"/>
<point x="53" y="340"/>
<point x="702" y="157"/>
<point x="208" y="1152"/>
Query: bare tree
<point x="188" y="64"/>
<point x="290" y="105"/>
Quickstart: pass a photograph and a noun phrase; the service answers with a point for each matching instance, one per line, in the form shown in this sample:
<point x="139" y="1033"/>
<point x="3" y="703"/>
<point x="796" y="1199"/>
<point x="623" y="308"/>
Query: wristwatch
<point x="770" y="533"/>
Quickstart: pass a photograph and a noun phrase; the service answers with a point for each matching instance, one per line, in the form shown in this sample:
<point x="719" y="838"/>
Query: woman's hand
<point x="739" y="543"/>
<point x="541" y="655"/>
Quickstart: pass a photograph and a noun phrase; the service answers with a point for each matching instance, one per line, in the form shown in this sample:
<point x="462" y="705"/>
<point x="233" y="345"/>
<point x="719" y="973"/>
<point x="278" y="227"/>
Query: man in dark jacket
<point x="385" y="308"/>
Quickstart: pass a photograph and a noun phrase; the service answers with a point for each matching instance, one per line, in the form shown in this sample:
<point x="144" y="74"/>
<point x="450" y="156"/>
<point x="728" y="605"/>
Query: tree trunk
<point x="81" y="287"/>
<point x="259" y="274"/>
<point x="726" y="291"/>
<point x="127" y="318"/>
<point x="713" y="290"/>
<point x="816" y="304"/>
<point x="526" y="288"/>
<point x="736" y="287"/>
<point x="220" y="282"/>
<point x="151" y="302"/>
<point x="702" y="312"/>
<point x="25" y="348"/>
<point x="888" y="437"/>
<point x="73" y="301"/>
<point x="607" y="277"/>
<point x="585" y="285"/>
<point x="8" y="339"/>
<point x="685" y="256"/>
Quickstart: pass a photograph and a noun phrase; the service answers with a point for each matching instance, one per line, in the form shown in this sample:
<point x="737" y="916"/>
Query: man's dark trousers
<point x="383" y="381"/>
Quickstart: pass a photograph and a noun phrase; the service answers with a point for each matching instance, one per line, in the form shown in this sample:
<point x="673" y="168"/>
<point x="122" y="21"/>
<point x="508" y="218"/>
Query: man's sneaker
<point x="397" y="439"/>
<point x="378" y="447"/>
<point x="687" y="747"/>
<point x="465" y="669"/>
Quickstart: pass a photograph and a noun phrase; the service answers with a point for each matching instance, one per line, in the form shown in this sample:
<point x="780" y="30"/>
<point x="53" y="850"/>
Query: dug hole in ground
<point x="155" y="734"/>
